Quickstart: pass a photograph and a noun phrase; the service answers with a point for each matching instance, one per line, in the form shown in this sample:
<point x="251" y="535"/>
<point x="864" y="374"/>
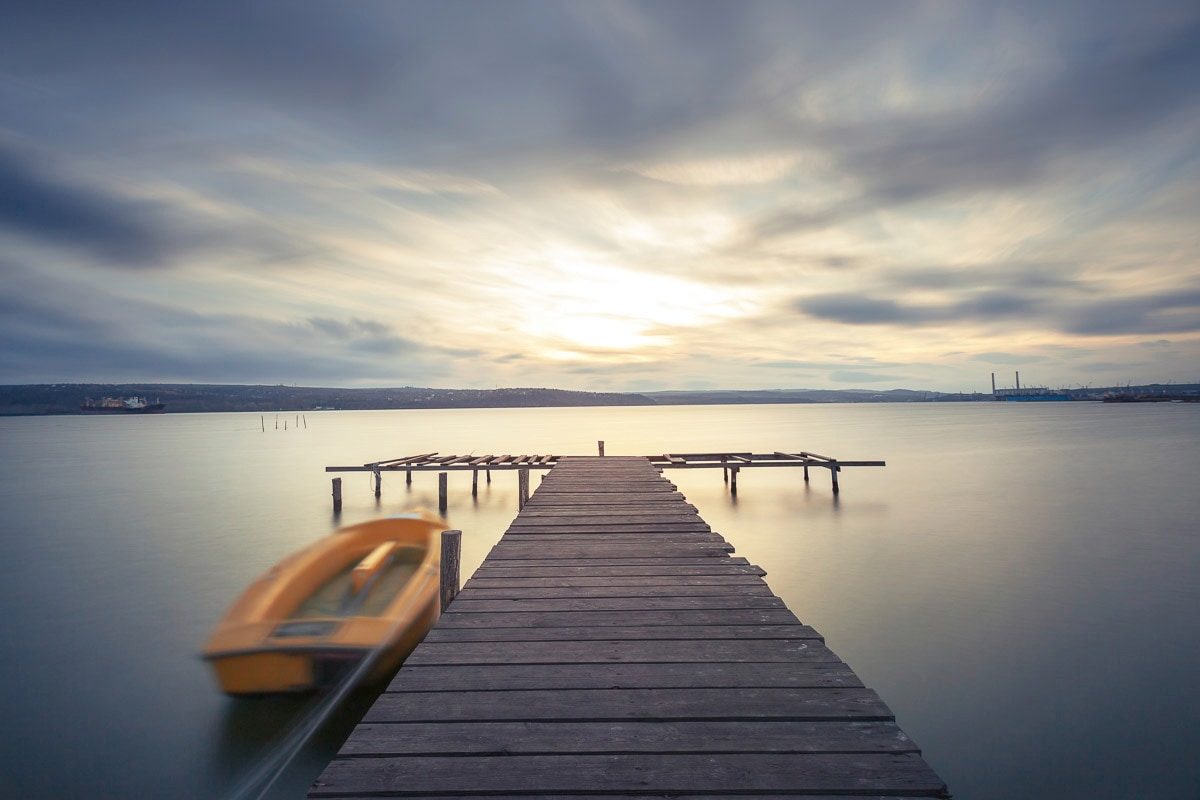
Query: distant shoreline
<point x="64" y="399"/>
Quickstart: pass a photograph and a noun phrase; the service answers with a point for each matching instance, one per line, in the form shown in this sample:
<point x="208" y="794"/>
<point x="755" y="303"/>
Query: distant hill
<point x="66" y="398"/>
<point x="770" y="396"/>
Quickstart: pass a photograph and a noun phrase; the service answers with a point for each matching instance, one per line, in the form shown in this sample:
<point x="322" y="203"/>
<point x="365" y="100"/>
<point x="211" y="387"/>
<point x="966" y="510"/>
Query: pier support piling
<point x="378" y="484"/>
<point x="806" y="473"/>
<point x="337" y="494"/>
<point x="833" y="470"/>
<point x="522" y="487"/>
<point x="601" y="447"/>
<point x="443" y="483"/>
<point x="733" y="473"/>
<point x="408" y="476"/>
<point x="451" y="556"/>
<point x="474" y="483"/>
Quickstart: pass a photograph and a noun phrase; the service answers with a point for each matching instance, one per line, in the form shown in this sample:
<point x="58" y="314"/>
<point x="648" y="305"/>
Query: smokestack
<point x="1018" y="380"/>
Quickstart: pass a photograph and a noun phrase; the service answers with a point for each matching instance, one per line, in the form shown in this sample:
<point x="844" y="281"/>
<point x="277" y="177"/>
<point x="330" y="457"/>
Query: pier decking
<point x="611" y="646"/>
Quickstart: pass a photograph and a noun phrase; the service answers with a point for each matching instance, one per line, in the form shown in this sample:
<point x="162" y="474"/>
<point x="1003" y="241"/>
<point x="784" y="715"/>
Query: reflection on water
<point x="1018" y="583"/>
<point x="251" y="729"/>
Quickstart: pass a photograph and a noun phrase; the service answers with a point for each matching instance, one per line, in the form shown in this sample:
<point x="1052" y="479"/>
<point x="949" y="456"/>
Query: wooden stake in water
<point x="443" y="478"/>
<point x="378" y="483"/>
<point x="337" y="494"/>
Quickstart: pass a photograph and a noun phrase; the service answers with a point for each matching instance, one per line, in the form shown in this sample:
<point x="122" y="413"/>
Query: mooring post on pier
<point x="833" y="470"/>
<point x="443" y="483"/>
<point x="522" y="487"/>
<point x="451" y="556"/>
<point x="378" y="483"/>
<point x="337" y="494"/>
<point x="600" y="445"/>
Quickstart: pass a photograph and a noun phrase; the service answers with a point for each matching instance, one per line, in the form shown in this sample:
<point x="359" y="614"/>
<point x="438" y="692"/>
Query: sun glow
<point x="594" y="306"/>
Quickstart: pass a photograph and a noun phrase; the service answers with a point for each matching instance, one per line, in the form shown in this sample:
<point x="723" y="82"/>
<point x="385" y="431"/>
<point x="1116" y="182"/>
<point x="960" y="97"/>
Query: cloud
<point x="485" y="192"/>
<point x="38" y="203"/>
<point x="1007" y="358"/>
<point x="1161" y="312"/>
<point x="855" y="309"/>
<point x="849" y="376"/>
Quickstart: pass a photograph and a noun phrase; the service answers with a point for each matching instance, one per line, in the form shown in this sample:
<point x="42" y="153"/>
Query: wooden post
<point x="474" y="482"/>
<point x="601" y="445"/>
<point x="443" y="478"/>
<point x="451" y="552"/>
<point x="378" y="483"/>
<point x="337" y="494"/>
<point x="733" y="471"/>
<point x="834" y="469"/>
<point x="263" y="421"/>
<point x="489" y="475"/>
<point x="806" y="473"/>
<point x="725" y="473"/>
<point x="522" y="487"/>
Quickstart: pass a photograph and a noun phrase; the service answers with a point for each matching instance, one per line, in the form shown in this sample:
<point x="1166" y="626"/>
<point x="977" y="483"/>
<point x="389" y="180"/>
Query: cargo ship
<point x="117" y="405"/>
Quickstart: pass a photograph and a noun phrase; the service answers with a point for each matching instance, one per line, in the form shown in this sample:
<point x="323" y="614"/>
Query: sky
<point x="600" y="195"/>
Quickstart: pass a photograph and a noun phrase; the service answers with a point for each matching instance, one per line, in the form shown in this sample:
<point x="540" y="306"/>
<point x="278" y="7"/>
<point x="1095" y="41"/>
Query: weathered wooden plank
<point x="562" y="550"/>
<point x="583" y="794"/>
<point x="902" y="773"/>
<point x="599" y="542"/>
<point x="628" y="527"/>
<point x="749" y="651"/>
<point x="533" y="738"/>
<point x="609" y="590"/>
<point x="722" y="602"/>
<point x="712" y="675"/>
<point x="455" y="618"/>
<point x="623" y="500"/>
<point x="715" y="580"/>
<point x="630" y="704"/>
<point x="552" y="565"/>
<point x="596" y="503"/>
<point x="642" y="568"/>
<point x="572" y="517"/>
<point x="607" y="485"/>
<point x="651" y="509"/>
<point x="611" y="537"/>
<point x="585" y="633"/>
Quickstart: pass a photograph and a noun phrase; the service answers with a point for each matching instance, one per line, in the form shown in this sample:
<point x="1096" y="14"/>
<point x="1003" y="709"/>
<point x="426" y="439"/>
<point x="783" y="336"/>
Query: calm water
<point x="1019" y="583"/>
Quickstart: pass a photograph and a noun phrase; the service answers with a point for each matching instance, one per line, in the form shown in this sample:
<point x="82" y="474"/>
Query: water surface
<point x="1019" y="583"/>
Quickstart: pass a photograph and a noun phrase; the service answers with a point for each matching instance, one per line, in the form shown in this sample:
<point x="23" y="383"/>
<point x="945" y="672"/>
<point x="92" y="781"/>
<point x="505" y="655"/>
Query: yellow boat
<point x="367" y="591"/>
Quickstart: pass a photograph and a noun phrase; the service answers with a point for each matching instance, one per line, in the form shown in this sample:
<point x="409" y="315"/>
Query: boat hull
<point x="284" y="634"/>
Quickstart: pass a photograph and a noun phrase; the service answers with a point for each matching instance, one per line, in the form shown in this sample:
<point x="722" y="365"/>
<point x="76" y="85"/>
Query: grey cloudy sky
<point x="600" y="195"/>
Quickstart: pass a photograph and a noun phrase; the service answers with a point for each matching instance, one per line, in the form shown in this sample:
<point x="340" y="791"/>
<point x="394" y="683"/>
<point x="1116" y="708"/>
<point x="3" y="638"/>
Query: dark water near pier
<point x="1020" y="583"/>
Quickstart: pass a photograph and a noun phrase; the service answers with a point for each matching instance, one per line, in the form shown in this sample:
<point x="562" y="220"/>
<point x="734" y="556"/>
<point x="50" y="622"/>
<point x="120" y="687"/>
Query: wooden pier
<point x="729" y="463"/>
<point x="611" y="646"/>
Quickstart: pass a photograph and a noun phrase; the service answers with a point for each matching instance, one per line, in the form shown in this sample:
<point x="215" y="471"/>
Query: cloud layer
<point x="613" y="195"/>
